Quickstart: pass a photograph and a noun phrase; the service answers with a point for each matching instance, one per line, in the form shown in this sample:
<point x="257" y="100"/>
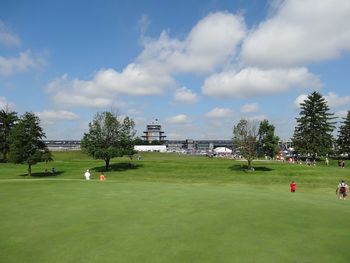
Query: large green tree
<point x="343" y="140"/>
<point x="245" y="135"/>
<point x="313" y="132"/>
<point x="267" y="141"/>
<point x="109" y="136"/>
<point x="26" y="142"/>
<point x="8" y="119"/>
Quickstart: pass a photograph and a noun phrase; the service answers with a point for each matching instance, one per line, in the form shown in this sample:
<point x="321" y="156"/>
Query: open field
<point x="171" y="208"/>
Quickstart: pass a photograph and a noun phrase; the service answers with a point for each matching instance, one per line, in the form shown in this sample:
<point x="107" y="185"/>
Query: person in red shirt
<point x="102" y="177"/>
<point x="293" y="186"/>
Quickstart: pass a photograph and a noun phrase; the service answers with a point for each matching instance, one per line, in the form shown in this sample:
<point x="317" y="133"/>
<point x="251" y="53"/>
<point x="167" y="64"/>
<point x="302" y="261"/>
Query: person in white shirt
<point x="87" y="175"/>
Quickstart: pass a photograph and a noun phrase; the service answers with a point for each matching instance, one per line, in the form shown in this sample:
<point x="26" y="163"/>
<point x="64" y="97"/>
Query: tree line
<point x="313" y="133"/>
<point x="21" y="138"/>
<point x="110" y="135"/>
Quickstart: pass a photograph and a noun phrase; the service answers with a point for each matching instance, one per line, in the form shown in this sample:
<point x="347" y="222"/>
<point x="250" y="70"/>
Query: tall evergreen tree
<point x="267" y="141"/>
<point x="313" y="132"/>
<point x="26" y="142"/>
<point x="343" y="140"/>
<point x="8" y="119"/>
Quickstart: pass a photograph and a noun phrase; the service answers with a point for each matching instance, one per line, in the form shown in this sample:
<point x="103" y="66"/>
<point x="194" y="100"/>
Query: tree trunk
<point x="107" y="163"/>
<point x="249" y="164"/>
<point x="29" y="169"/>
<point x="4" y="155"/>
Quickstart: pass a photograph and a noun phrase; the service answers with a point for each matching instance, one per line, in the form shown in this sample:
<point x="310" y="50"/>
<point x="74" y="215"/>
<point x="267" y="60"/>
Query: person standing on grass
<point x="342" y="190"/>
<point x="87" y="175"/>
<point x="102" y="177"/>
<point x="293" y="186"/>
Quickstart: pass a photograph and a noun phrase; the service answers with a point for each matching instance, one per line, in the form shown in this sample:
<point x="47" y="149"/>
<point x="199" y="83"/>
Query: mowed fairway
<point x="170" y="208"/>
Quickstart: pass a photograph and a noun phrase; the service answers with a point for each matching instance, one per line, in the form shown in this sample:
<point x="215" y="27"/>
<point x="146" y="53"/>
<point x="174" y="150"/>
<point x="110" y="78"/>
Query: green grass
<point x="171" y="208"/>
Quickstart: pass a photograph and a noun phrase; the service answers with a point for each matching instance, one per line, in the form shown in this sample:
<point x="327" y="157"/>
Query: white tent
<point x="222" y="150"/>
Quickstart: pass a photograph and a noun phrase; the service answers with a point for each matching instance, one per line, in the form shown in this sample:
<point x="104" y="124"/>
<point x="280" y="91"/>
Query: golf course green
<point x="172" y="208"/>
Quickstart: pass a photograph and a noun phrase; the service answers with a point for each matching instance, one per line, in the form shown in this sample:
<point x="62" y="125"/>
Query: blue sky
<point x="197" y="66"/>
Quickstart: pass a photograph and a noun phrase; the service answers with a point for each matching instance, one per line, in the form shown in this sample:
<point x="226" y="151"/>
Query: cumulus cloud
<point x="7" y="37"/>
<point x="250" y="107"/>
<point x="185" y="95"/>
<point x="300" y="99"/>
<point x="335" y="101"/>
<point x="250" y="82"/>
<point x="212" y="40"/>
<point x="178" y="119"/>
<point x="52" y="115"/>
<point x="299" y="32"/>
<point x="107" y="83"/>
<point x="218" y="113"/>
<point x="24" y="62"/>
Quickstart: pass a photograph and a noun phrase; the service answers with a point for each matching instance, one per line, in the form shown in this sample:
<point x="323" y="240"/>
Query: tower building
<point x="154" y="132"/>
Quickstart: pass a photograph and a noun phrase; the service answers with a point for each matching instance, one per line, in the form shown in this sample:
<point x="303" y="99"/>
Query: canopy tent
<point x="222" y="150"/>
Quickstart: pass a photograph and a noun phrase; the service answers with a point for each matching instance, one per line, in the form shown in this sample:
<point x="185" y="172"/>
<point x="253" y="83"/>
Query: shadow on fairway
<point x="238" y="167"/>
<point x="118" y="167"/>
<point x="43" y="174"/>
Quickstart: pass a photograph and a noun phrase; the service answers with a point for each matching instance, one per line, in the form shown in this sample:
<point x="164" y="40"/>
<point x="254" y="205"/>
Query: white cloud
<point x="68" y="93"/>
<point x="218" y="113"/>
<point x="341" y="114"/>
<point x="211" y="41"/>
<point x="250" y="82"/>
<point x="300" y="32"/>
<point x="52" y="116"/>
<point x="24" y="62"/>
<point x="335" y="101"/>
<point x="300" y="99"/>
<point x="185" y="95"/>
<point x="178" y="119"/>
<point x="108" y="83"/>
<point x="8" y="38"/>
<point x="4" y="103"/>
<point x="250" y="107"/>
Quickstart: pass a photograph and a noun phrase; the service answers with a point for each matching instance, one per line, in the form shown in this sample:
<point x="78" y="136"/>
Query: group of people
<point x="341" y="191"/>
<point x="87" y="176"/>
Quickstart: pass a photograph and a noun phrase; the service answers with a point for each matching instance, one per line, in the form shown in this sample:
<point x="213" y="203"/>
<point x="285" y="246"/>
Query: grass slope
<point x="170" y="208"/>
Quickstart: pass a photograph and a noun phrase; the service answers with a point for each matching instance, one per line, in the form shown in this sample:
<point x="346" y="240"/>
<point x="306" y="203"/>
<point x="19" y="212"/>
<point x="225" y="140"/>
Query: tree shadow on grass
<point x="241" y="167"/>
<point x="118" y="167"/>
<point x="43" y="174"/>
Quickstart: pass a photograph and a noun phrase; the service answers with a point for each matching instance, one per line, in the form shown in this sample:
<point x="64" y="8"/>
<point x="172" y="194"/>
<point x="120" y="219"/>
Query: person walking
<point x="293" y="187"/>
<point x="342" y="190"/>
<point x="87" y="175"/>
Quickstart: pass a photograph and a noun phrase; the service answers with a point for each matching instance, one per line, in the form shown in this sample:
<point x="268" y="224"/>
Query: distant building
<point x="150" y="148"/>
<point x="62" y="145"/>
<point x="154" y="133"/>
<point x="195" y="146"/>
